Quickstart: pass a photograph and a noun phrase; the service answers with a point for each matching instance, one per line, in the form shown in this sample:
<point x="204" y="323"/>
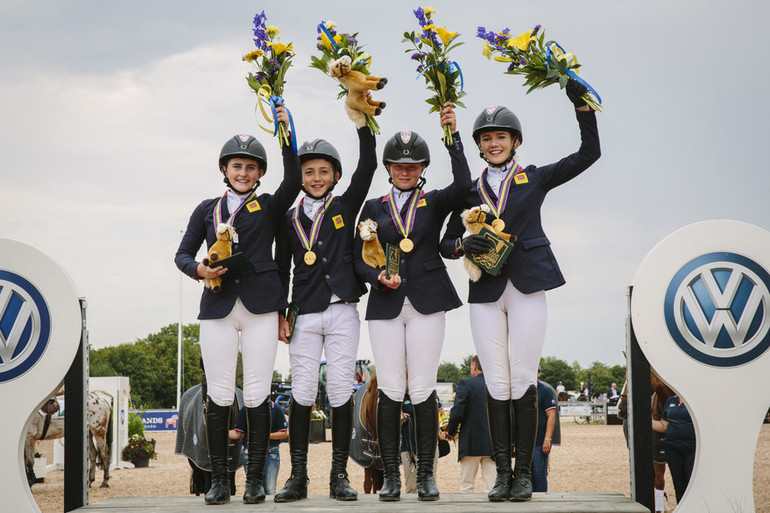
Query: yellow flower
<point x="429" y="27"/>
<point x="500" y="58"/>
<point x="445" y="35"/>
<point x="279" y="48"/>
<point x="486" y="51"/>
<point x="429" y="10"/>
<point x="272" y="31"/>
<point x="252" y="56"/>
<point x="522" y="40"/>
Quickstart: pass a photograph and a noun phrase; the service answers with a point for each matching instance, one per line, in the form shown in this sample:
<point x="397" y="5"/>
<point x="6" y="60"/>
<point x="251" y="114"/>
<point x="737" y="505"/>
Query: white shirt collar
<point x="311" y="206"/>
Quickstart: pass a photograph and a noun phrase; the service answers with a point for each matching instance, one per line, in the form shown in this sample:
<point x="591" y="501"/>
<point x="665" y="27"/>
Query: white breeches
<point x="257" y="338"/>
<point x="407" y="350"/>
<point x="509" y="335"/>
<point x="334" y="331"/>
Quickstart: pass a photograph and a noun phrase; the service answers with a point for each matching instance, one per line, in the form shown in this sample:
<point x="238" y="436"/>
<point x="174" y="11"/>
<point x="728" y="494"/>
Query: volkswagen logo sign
<point x="25" y="325"/>
<point x="717" y="309"/>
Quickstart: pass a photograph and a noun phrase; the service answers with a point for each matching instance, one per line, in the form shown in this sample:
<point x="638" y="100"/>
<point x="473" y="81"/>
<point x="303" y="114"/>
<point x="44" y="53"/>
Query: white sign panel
<point x="40" y="326"/>
<point x="700" y="308"/>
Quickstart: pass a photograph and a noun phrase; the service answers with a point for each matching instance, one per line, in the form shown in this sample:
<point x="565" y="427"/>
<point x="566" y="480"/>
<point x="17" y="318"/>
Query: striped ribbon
<point x="309" y="242"/>
<point x="405" y="227"/>
<point x="230" y="220"/>
<point x="505" y="187"/>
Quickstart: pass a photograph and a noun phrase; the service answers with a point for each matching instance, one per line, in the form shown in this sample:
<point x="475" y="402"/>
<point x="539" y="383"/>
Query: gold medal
<point x="309" y="257"/>
<point x="406" y="245"/>
<point x="498" y="225"/>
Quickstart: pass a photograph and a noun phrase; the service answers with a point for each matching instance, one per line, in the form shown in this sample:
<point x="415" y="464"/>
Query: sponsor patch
<point x="253" y="206"/>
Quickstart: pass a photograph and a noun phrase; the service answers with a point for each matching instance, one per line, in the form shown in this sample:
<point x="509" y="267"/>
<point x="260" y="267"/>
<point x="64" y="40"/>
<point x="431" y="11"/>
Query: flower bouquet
<point x="542" y="63"/>
<point x="271" y="59"/>
<point x="139" y="449"/>
<point x="333" y="46"/>
<point x="442" y="75"/>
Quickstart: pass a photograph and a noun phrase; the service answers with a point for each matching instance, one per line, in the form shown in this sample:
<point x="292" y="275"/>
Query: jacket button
<point x="403" y="261"/>
<point x="403" y="281"/>
<point x="320" y="243"/>
<point x="323" y="259"/>
<point x="327" y="276"/>
<point x="237" y="281"/>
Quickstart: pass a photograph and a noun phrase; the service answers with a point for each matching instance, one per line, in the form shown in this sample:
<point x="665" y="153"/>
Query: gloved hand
<point x="575" y="91"/>
<point x="475" y="245"/>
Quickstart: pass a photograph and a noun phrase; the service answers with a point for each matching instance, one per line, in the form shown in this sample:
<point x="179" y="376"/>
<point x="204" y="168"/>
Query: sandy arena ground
<point x="592" y="458"/>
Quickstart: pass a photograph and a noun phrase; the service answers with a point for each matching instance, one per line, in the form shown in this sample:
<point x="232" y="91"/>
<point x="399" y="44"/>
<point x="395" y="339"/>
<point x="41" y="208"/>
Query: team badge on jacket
<point x="253" y="206"/>
<point x="520" y="178"/>
<point x="338" y="222"/>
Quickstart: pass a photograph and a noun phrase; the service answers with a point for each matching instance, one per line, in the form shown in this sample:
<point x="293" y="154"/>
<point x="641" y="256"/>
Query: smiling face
<point x="243" y="173"/>
<point x="496" y="145"/>
<point x="405" y="176"/>
<point x="317" y="176"/>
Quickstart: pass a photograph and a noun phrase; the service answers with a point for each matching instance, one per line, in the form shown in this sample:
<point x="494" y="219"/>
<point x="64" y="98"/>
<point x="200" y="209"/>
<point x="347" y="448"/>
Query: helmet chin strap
<point x="420" y="184"/>
<point x="502" y="164"/>
<point x="236" y="191"/>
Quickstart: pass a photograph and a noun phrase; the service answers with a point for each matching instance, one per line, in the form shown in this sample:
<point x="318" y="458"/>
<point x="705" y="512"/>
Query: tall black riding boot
<point x="389" y="438"/>
<point x="499" y="417"/>
<point x="299" y="437"/>
<point x="525" y="429"/>
<point x="259" y="439"/>
<point x="426" y="428"/>
<point x="217" y="428"/>
<point x="342" y="431"/>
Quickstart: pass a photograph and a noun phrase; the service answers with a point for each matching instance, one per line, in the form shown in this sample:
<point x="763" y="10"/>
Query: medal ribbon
<point x="404" y="227"/>
<point x="309" y="242"/>
<point x="504" y="189"/>
<point x="231" y="219"/>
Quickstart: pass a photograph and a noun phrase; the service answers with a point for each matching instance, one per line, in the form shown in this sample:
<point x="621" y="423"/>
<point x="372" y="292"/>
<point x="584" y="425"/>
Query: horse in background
<point x="660" y="394"/>
<point x="45" y="426"/>
<point x="365" y="449"/>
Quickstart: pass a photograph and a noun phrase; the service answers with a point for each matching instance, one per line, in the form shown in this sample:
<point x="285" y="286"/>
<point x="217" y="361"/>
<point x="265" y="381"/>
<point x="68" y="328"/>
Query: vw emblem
<point x="25" y="325"/>
<point x="717" y="309"/>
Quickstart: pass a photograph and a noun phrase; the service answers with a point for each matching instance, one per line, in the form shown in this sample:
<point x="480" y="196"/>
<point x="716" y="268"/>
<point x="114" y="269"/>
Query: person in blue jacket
<point x="677" y="424"/>
<point x="244" y="313"/>
<point x="508" y="311"/>
<point x="405" y="311"/>
<point x="318" y="236"/>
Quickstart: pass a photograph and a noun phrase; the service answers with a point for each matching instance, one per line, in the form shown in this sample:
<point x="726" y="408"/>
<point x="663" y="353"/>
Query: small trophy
<point x="392" y="260"/>
<point x="492" y="261"/>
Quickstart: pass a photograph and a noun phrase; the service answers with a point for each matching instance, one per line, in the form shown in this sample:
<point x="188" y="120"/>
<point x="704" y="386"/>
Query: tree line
<point x="151" y="366"/>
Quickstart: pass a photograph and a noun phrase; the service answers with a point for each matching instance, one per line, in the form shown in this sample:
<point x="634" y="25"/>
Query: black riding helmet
<point x="497" y="118"/>
<point x="242" y="146"/>
<point x="406" y="148"/>
<point x="320" y="149"/>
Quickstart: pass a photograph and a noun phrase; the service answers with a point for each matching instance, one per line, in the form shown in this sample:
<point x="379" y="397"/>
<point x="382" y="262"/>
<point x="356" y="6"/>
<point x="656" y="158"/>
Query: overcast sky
<point x="113" y="115"/>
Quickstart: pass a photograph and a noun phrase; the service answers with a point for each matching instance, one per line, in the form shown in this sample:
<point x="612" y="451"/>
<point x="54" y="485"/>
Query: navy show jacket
<point x="469" y="413"/>
<point x="424" y="278"/>
<point x="531" y="267"/>
<point x="332" y="271"/>
<point x="260" y="289"/>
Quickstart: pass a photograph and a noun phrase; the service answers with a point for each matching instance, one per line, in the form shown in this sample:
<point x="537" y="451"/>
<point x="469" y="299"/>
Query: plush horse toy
<point x="372" y="252"/>
<point x="222" y="248"/>
<point x="358" y="102"/>
<point x="474" y="220"/>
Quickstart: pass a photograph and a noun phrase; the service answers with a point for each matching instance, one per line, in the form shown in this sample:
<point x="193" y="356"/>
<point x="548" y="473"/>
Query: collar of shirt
<point x="496" y="175"/>
<point x="311" y="206"/>
<point x="234" y="200"/>
<point x="402" y="197"/>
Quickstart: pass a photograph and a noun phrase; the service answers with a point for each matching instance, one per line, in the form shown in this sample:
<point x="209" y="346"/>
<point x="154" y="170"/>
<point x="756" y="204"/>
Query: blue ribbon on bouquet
<point x="570" y="73"/>
<point x="453" y="66"/>
<point x="329" y="35"/>
<point x="273" y="100"/>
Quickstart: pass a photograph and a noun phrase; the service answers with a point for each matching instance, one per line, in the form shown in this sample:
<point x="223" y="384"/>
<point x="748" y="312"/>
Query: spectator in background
<point x="277" y="433"/>
<point x="560" y="388"/>
<point x="546" y="408"/>
<point x="613" y="394"/>
<point x="469" y="413"/>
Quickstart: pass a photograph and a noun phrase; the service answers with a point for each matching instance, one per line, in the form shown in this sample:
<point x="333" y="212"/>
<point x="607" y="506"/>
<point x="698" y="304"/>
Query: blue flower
<point x="352" y="39"/>
<point x="420" y="14"/>
<point x="418" y="55"/>
<point x="523" y="61"/>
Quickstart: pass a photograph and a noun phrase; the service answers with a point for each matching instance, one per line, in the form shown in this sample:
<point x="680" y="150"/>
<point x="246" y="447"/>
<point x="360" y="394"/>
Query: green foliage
<point x="151" y="364"/>
<point x="448" y="372"/>
<point x="555" y="370"/>
<point x="276" y="376"/>
<point x="465" y="368"/>
<point x="135" y="424"/>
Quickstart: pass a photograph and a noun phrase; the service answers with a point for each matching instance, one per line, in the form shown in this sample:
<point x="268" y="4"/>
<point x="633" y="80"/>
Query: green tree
<point x="448" y="372"/>
<point x="276" y="376"/>
<point x="555" y="370"/>
<point x="465" y="368"/>
<point x="151" y="365"/>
